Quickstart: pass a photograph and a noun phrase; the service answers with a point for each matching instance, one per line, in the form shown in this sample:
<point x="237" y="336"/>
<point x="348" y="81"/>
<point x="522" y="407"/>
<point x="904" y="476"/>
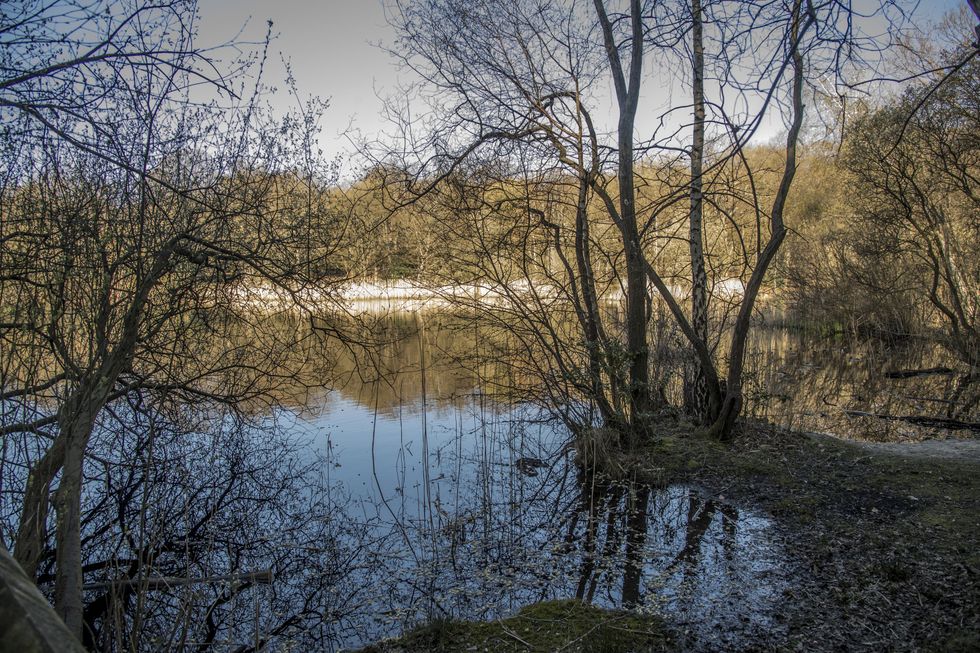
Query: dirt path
<point x="962" y="450"/>
<point x="882" y="537"/>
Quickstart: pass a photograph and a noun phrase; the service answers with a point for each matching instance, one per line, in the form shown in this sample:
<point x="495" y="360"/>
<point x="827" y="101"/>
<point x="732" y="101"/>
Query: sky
<point x="334" y="49"/>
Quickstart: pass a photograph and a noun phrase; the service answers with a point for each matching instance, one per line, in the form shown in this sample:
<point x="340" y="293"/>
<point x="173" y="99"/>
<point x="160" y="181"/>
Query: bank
<point x="882" y="545"/>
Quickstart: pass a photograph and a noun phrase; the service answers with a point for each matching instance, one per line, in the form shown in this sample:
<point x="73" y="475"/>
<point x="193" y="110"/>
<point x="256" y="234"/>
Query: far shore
<point x="407" y="294"/>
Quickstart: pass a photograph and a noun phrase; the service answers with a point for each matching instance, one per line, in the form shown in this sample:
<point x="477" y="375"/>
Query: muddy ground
<point x="882" y="543"/>
<point x="884" y="539"/>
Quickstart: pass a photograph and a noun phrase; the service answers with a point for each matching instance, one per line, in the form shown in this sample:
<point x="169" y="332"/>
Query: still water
<point x="471" y="507"/>
<point x="474" y="512"/>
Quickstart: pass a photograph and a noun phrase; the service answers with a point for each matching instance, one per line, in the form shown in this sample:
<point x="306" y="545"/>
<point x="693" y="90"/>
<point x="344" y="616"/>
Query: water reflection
<point x="824" y="384"/>
<point x="794" y="379"/>
<point x="715" y="571"/>
<point x="472" y="508"/>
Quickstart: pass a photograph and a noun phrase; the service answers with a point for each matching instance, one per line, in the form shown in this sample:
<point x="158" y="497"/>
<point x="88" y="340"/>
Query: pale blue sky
<point x="332" y="45"/>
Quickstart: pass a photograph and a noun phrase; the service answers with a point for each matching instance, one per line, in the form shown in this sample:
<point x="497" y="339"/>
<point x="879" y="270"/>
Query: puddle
<point x="501" y="517"/>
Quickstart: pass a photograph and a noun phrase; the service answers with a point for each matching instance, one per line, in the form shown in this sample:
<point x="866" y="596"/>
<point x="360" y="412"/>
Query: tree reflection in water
<point x="514" y="520"/>
<point x="499" y="515"/>
<point x="617" y="523"/>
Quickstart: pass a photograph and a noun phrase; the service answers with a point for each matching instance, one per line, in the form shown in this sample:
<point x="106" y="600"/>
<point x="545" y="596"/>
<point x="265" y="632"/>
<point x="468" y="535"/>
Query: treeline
<point x="888" y="243"/>
<point x="883" y="219"/>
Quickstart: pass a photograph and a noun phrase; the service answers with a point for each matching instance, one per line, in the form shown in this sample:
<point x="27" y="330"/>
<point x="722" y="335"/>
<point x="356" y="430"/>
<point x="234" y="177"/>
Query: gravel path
<point x="966" y="450"/>
<point x="931" y="449"/>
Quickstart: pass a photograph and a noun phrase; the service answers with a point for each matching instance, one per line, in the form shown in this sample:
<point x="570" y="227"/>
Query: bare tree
<point x="74" y="69"/>
<point x="190" y="523"/>
<point x="138" y="226"/>
<point x="919" y="211"/>
<point x="518" y="151"/>
<point x="696" y="394"/>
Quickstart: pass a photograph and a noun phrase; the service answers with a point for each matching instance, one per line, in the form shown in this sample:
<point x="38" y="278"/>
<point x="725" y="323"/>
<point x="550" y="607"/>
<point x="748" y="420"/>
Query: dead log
<point x="921" y="420"/>
<point x="929" y="371"/>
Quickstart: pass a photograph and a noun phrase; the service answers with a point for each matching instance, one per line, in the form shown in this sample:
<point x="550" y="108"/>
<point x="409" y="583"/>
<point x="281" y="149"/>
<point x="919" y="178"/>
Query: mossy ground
<point x="549" y="626"/>
<point x="887" y="547"/>
<point x="884" y="549"/>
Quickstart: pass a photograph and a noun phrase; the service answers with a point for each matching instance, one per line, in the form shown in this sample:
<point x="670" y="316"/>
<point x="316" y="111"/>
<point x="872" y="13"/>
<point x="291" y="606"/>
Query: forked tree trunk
<point x="32" y="530"/>
<point x="76" y="421"/>
<point x="723" y="425"/>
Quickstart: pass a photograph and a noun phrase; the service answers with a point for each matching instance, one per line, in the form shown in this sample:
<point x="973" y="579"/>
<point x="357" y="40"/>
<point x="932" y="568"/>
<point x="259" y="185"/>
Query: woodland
<point x="743" y="344"/>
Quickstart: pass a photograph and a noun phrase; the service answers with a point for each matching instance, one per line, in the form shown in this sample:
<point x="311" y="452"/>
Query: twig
<point x="263" y="577"/>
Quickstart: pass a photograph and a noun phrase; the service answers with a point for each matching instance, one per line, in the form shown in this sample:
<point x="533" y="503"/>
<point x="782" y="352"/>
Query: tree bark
<point x="696" y="393"/>
<point x="637" y="298"/>
<point x="32" y="531"/>
<point x="68" y="579"/>
<point x="76" y="422"/>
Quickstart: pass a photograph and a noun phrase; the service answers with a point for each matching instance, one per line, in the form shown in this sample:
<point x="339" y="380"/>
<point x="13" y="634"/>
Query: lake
<point x="470" y="505"/>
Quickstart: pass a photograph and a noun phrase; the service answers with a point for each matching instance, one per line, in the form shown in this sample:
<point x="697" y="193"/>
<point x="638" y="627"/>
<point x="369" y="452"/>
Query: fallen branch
<point x="264" y="577"/>
<point x="908" y="374"/>
<point x="921" y="420"/>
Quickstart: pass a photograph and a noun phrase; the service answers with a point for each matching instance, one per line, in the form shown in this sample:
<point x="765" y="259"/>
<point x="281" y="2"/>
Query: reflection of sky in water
<point x="488" y="538"/>
<point x="473" y="534"/>
<point x="728" y="583"/>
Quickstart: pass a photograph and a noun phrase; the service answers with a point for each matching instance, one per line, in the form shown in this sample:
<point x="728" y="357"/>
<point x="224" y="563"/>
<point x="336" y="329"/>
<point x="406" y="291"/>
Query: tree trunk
<point x="76" y="421"/>
<point x="723" y="425"/>
<point x="68" y="580"/>
<point x="592" y="325"/>
<point x="32" y="531"/>
<point x="696" y="396"/>
<point x="637" y="299"/>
